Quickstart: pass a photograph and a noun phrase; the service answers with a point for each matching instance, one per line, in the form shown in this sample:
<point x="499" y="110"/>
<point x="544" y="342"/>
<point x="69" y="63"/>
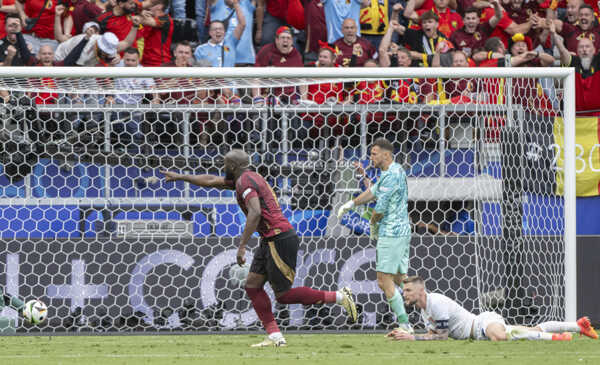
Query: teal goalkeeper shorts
<point x="392" y="255"/>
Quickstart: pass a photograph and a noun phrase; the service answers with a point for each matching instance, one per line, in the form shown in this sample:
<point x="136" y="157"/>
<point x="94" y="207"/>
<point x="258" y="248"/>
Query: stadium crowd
<point x="321" y="33"/>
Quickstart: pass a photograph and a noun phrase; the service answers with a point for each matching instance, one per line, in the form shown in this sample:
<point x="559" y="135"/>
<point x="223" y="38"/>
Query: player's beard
<point x="586" y="62"/>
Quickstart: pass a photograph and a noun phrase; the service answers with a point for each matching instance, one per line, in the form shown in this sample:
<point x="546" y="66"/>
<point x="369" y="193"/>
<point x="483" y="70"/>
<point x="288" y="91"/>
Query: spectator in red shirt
<point x="473" y="35"/>
<point x="326" y="92"/>
<point x="353" y="51"/>
<point x="429" y="4"/>
<point x="586" y="27"/>
<point x="267" y="22"/>
<point x="81" y="12"/>
<point x="118" y="19"/>
<point x="572" y="11"/>
<point x="157" y="33"/>
<point x="6" y="7"/>
<point x="448" y="20"/>
<point x="319" y="125"/>
<point x="523" y="46"/>
<point x="316" y="27"/>
<point x="281" y="53"/>
<point x="38" y="22"/>
<point x="587" y="75"/>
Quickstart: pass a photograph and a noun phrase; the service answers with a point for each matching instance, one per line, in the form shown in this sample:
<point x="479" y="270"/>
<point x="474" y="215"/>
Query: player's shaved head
<point x="236" y="162"/>
<point x="238" y="157"/>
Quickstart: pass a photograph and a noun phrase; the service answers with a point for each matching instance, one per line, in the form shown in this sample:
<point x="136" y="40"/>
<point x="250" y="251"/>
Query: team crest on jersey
<point x="462" y="43"/>
<point x="226" y="49"/>
<point x="49" y="4"/>
<point x="477" y="36"/>
<point x="282" y="60"/>
<point x="454" y="24"/>
<point x="590" y="36"/>
<point x="357" y="50"/>
<point x="529" y="12"/>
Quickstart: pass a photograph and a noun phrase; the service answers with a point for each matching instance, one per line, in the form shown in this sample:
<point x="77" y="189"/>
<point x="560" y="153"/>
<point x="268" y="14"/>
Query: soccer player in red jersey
<point x="275" y="258"/>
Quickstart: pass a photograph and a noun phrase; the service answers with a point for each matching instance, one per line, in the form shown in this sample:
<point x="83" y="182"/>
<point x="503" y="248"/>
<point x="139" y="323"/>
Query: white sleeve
<point x="440" y="314"/>
<point x="66" y="47"/>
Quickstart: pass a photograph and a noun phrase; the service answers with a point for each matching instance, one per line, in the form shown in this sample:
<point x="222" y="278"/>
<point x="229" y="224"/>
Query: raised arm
<point x="495" y="19"/>
<point x="565" y="55"/>
<point x="8" y="8"/>
<point x="409" y="11"/>
<point x="128" y="41"/>
<point x="21" y="11"/>
<point x="206" y="180"/>
<point x="239" y="29"/>
<point x="59" y="34"/>
<point x="384" y="57"/>
<point x="259" y="15"/>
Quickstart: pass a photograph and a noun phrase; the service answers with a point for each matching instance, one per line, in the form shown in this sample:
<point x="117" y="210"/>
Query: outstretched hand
<point x="400" y="335"/>
<point x="170" y="175"/>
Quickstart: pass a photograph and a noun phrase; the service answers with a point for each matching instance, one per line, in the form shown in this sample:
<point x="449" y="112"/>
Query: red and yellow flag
<point x="587" y="155"/>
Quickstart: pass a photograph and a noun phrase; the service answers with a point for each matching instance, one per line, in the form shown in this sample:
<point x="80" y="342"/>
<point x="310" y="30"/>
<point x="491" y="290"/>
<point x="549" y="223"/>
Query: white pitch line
<point x="280" y="354"/>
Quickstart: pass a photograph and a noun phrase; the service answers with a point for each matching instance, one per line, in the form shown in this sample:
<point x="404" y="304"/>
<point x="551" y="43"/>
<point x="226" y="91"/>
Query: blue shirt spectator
<point x="220" y="50"/>
<point x="223" y="10"/>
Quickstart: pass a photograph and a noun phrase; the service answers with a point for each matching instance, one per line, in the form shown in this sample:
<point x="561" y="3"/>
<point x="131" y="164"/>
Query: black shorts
<point x="275" y="258"/>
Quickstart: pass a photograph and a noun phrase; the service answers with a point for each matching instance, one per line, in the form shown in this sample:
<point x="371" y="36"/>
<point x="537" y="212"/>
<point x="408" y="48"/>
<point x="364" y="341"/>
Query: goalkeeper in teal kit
<point x="390" y="225"/>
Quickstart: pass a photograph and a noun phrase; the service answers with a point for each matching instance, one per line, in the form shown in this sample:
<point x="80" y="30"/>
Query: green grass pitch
<point x="338" y="349"/>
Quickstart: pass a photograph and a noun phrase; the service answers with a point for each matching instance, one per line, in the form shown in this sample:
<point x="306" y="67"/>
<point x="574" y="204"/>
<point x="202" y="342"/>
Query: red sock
<point x="306" y="296"/>
<point x="262" y="307"/>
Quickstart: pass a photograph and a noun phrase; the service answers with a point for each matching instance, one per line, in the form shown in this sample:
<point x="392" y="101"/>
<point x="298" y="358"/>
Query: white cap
<point x="108" y="43"/>
<point x="88" y="25"/>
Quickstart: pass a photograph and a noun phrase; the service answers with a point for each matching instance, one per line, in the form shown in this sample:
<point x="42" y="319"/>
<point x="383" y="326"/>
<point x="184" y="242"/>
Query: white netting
<point x="89" y="226"/>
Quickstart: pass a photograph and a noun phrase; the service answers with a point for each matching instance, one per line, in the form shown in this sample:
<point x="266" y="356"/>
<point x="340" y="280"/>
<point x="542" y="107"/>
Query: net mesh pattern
<point x="90" y="227"/>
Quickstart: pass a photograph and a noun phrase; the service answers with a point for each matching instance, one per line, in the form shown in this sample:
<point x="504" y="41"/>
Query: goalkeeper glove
<point x="374" y="231"/>
<point x="345" y="208"/>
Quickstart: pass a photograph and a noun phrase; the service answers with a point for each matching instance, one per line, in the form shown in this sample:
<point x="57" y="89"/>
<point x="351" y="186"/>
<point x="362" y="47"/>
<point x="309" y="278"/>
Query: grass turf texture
<point x="348" y="349"/>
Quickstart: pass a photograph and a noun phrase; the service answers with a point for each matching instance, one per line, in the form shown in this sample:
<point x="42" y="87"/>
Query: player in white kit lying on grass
<point x="444" y="318"/>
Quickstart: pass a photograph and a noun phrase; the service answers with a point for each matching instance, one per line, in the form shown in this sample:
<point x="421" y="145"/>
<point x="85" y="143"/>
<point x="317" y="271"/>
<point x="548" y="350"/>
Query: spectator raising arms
<point x="158" y="34"/>
<point x="93" y="54"/>
<point x="220" y="48"/>
<point x="587" y="77"/>
<point x="354" y="51"/>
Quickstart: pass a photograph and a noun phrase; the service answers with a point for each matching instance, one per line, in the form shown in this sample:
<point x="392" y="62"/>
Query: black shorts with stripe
<point x="275" y="258"/>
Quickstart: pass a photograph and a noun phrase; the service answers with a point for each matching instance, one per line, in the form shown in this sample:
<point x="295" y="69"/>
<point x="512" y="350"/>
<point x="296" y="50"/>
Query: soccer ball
<point x="35" y="311"/>
<point x="238" y="274"/>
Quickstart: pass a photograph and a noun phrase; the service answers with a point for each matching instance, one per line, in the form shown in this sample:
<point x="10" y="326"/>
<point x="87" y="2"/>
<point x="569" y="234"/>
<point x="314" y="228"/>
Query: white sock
<point x="523" y="334"/>
<point x="559" y="327"/>
<point x="275" y="336"/>
<point x="339" y="297"/>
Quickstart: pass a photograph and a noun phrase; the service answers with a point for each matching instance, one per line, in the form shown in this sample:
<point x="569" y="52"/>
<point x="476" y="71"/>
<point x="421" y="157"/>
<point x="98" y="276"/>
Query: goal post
<point x="91" y="228"/>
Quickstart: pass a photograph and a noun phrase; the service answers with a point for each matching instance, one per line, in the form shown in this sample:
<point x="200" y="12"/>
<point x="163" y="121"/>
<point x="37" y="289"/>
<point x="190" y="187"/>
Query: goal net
<point x="90" y="227"/>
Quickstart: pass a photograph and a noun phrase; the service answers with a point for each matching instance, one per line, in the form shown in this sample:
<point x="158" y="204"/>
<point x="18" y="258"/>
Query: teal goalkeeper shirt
<point x="391" y="191"/>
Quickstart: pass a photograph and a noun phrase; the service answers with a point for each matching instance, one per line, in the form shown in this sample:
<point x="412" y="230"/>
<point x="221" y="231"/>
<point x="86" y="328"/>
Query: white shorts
<point x="482" y="321"/>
